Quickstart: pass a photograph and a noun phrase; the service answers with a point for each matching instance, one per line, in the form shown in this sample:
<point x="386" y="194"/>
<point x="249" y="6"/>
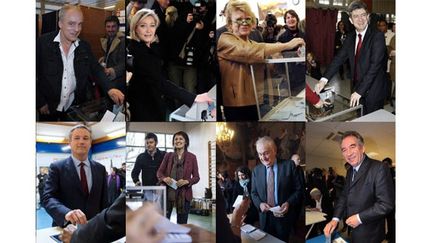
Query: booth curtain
<point x="320" y="33"/>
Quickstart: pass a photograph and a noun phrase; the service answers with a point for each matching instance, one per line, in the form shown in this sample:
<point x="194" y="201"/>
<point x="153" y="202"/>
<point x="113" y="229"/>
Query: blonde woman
<point x="235" y="53"/>
<point x="148" y="83"/>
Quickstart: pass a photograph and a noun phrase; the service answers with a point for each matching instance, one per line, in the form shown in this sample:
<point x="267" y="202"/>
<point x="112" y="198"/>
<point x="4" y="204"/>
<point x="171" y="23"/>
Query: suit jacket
<point x="107" y="226"/>
<point x="289" y="188"/>
<point x="190" y="171"/>
<point x="372" y="65"/>
<point x="63" y="191"/>
<point x="49" y="71"/>
<point x="116" y="58"/>
<point x="371" y="195"/>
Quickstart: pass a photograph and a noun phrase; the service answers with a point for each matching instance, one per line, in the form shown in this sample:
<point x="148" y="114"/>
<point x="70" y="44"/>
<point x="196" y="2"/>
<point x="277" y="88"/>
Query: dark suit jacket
<point x="63" y="191"/>
<point x="289" y="188"/>
<point x="49" y="71"/>
<point x="224" y="233"/>
<point x="372" y="64"/>
<point x="371" y="195"/>
<point x="107" y="226"/>
<point x="147" y="166"/>
<point x="190" y="171"/>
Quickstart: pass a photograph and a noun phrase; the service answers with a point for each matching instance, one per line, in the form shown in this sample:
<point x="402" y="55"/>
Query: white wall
<point x="45" y="159"/>
<point x="199" y="135"/>
<point x="313" y="161"/>
<point x="116" y="156"/>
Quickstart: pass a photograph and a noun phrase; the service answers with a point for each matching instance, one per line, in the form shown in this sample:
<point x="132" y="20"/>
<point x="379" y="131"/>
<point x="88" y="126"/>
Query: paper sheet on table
<point x="257" y="234"/>
<point x="173" y="184"/>
<point x="169" y="227"/>
<point x="247" y="228"/>
<point x="276" y="209"/>
<point x="238" y="201"/>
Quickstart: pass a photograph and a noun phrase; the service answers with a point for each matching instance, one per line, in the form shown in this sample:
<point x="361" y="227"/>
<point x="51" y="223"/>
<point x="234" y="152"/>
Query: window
<point x="338" y="2"/>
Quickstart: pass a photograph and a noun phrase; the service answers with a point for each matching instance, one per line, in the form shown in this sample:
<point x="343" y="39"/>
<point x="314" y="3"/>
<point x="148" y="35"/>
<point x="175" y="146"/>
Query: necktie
<point x="354" y="174"/>
<point x="270" y="188"/>
<point x="83" y="176"/>
<point x="357" y="53"/>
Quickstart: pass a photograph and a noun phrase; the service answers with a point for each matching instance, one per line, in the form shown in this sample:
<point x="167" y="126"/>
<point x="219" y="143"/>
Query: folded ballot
<point x="173" y="184"/>
<point x="174" y="232"/>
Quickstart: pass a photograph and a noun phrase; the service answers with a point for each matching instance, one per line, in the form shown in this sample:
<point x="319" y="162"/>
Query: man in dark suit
<point x="76" y="188"/>
<point x="107" y="226"/>
<point x="64" y="66"/>
<point x="368" y="195"/>
<point x="275" y="183"/>
<point x="366" y="51"/>
<point x="148" y="163"/>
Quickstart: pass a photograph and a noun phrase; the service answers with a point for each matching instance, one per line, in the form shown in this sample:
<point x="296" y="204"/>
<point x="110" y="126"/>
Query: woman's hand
<point x="167" y="180"/>
<point x="294" y="43"/>
<point x="182" y="182"/>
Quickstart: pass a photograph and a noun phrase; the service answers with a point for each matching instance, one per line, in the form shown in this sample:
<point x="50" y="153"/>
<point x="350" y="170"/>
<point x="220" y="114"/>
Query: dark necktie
<point x="357" y="54"/>
<point x="354" y="174"/>
<point x="83" y="176"/>
<point x="270" y="188"/>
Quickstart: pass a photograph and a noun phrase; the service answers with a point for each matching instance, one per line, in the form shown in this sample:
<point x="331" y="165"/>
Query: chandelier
<point x="223" y="133"/>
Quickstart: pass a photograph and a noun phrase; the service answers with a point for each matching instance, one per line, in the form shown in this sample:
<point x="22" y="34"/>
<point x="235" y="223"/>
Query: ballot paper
<point x="257" y="234"/>
<point x="173" y="184"/>
<point x="339" y="240"/>
<point x="276" y="209"/>
<point x="108" y="117"/>
<point x="247" y="228"/>
<point x="174" y="232"/>
<point x="238" y="201"/>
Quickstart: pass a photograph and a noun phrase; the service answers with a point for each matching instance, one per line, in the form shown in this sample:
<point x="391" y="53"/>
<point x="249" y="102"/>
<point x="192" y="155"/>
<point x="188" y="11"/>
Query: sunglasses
<point x="245" y="21"/>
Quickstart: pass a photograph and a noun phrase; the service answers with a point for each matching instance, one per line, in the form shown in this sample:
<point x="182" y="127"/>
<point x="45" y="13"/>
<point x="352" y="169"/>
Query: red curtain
<point x="320" y="33"/>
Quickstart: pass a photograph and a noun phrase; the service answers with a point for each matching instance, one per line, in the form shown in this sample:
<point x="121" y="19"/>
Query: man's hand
<point x="353" y="221"/>
<point x="355" y="99"/>
<point x="321" y="103"/>
<point x="238" y="216"/>
<point x="199" y="25"/>
<point x="264" y="207"/>
<point x="182" y="182"/>
<point x="319" y="86"/>
<point x="66" y="235"/>
<point x="284" y="208"/>
<point x="110" y="72"/>
<point x="116" y="95"/>
<point x="330" y="227"/>
<point x="44" y="110"/>
<point x="76" y="216"/>
<point x="167" y="180"/>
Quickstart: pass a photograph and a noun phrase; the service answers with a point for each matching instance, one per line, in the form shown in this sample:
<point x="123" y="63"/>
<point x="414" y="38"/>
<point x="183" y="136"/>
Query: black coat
<point x="49" y="71"/>
<point x="252" y="213"/>
<point x="148" y="84"/>
<point x="148" y="166"/>
<point x="372" y="65"/>
<point x="371" y="195"/>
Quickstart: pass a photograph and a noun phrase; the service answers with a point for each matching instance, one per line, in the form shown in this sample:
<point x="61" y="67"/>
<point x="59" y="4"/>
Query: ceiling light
<point x="50" y="139"/>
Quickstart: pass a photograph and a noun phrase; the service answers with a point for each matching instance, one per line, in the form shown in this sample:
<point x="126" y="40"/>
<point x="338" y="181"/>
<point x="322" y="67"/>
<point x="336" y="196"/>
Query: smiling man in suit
<point x="366" y="51"/>
<point x="76" y="188"/>
<point x="368" y="195"/>
<point x="275" y="183"/>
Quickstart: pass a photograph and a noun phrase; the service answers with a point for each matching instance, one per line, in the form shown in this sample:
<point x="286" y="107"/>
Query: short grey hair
<point x="68" y="7"/>
<point x="355" y="134"/>
<point x="143" y="13"/>
<point x="79" y="126"/>
<point x="266" y="139"/>
<point x="356" y="4"/>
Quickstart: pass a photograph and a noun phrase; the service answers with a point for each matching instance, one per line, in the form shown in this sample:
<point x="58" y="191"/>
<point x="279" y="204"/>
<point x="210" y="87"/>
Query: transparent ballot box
<point x="137" y="196"/>
<point x="338" y="110"/>
<point x="279" y="93"/>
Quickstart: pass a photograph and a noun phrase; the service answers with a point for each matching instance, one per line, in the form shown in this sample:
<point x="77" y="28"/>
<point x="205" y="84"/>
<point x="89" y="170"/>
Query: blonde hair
<point x="143" y="13"/>
<point x="171" y="15"/>
<point x="239" y="5"/>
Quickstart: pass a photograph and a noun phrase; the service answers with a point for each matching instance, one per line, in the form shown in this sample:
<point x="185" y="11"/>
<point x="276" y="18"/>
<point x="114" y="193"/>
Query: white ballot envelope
<point x="173" y="184"/>
<point x="276" y="209"/>
<point x="247" y="228"/>
<point x="238" y="201"/>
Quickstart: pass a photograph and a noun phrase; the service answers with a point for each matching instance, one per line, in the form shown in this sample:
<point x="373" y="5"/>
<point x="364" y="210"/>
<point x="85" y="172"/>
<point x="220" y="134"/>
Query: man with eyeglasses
<point x="276" y="191"/>
<point x="365" y="49"/>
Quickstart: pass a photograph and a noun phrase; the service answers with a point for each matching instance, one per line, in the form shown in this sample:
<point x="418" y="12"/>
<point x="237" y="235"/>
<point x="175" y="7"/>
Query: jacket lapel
<point x="71" y="170"/>
<point x="362" y="171"/>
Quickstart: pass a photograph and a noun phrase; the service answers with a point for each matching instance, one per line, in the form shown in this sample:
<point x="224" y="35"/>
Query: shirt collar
<point x="57" y="39"/>
<point x="361" y="162"/>
<point x="77" y="162"/>
<point x="363" y="32"/>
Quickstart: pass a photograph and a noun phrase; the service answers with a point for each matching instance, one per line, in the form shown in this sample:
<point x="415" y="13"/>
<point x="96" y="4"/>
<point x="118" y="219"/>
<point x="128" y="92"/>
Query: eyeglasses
<point x="245" y="21"/>
<point x="358" y="16"/>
